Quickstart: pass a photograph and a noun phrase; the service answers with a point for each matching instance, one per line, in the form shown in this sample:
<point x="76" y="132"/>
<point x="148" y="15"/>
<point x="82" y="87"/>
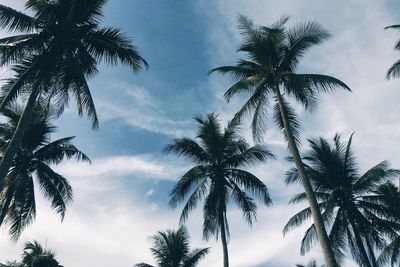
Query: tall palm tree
<point x="269" y="74"/>
<point x="33" y="160"/>
<point x="218" y="176"/>
<point x="172" y="249"/>
<point x="36" y="256"/>
<point x="55" y="51"/>
<point x="394" y="70"/>
<point x="346" y="199"/>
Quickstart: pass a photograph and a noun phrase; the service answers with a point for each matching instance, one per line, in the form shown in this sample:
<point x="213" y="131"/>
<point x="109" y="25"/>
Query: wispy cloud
<point x="138" y="108"/>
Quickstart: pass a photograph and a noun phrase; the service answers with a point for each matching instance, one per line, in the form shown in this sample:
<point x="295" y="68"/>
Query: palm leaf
<point x="13" y="20"/>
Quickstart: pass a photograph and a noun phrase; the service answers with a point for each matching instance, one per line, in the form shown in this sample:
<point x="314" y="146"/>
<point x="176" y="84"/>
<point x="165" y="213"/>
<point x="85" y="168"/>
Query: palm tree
<point x="347" y="201"/>
<point x="36" y="256"/>
<point x="32" y="161"/>
<point x="172" y="249"/>
<point x="269" y="73"/>
<point x="394" y="70"/>
<point x="217" y="176"/>
<point x="312" y="263"/>
<point x="55" y="51"/>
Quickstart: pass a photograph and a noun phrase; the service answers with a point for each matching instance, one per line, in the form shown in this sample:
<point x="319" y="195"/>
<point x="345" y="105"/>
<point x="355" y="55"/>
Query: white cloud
<point x="120" y="166"/>
<point x="141" y="110"/>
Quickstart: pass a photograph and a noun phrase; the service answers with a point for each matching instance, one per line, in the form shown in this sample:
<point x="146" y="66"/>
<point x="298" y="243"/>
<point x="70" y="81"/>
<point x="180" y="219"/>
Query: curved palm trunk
<point x="224" y="241"/>
<point x="312" y="201"/>
<point x="360" y="246"/>
<point x="18" y="135"/>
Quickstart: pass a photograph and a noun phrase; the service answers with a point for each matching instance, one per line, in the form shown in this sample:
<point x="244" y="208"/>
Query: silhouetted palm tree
<point x="36" y="256"/>
<point x="346" y="199"/>
<point x="33" y="160"/>
<point x="172" y="249"/>
<point x="394" y="70"/>
<point x="217" y="176"/>
<point x="269" y="75"/>
<point x="55" y="51"/>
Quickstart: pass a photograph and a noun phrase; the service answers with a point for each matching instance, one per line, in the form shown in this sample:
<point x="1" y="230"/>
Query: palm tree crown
<point x="172" y="249"/>
<point x="217" y="175"/>
<point x="59" y="46"/>
<point x="347" y="200"/>
<point x="273" y="55"/>
<point x="36" y="256"/>
<point x="33" y="160"/>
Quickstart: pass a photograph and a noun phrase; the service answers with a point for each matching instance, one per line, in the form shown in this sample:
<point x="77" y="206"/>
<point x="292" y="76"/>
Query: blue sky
<point x="120" y="200"/>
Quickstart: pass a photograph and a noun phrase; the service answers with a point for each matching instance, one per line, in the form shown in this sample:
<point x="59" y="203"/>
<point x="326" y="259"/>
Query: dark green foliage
<point x="59" y="47"/>
<point x="35" y="255"/>
<point x="33" y="161"/>
<point x="348" y="201"/>
<point x="273" y="55"/>
<point x="172" y="249"/>
<point x="217" y="176"/>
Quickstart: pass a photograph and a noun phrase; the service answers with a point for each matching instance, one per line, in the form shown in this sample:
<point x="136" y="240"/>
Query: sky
<point x="120" y="200"/>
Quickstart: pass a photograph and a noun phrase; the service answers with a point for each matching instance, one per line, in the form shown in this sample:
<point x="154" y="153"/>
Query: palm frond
<point x="394" y="70"/>
<point x="195" y="256"/>
<point x="13" y="20"/>
<point x="292" y="119"/>
<point x="251" y="184"/>
<point x="252" y="155"/>
<point x="111" y="45"/>
<point x="297" y="220"/>
<point x="54" y="187"/>
<point x="245" y="203"/>
<point x="191" y="179"/>
<point x="56" y="151"/>
<point x="188" y="148"/>
<point x="300" y="39"/>
<point x="310" y="237"/>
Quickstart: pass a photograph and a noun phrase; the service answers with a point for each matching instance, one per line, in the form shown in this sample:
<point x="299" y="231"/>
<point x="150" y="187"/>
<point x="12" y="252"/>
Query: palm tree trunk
<point x="223" y="240"/>
<point x="360" y="246"/>
<point x="312" y="200"/>
<point x="18" y="135"/>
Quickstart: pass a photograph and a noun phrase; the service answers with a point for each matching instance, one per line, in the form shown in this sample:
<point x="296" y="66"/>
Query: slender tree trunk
<point x="224" y="241"/>
<point x="18" y="135"/>
<point x="360" y="246"/>
<point x="312" y="200"/>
